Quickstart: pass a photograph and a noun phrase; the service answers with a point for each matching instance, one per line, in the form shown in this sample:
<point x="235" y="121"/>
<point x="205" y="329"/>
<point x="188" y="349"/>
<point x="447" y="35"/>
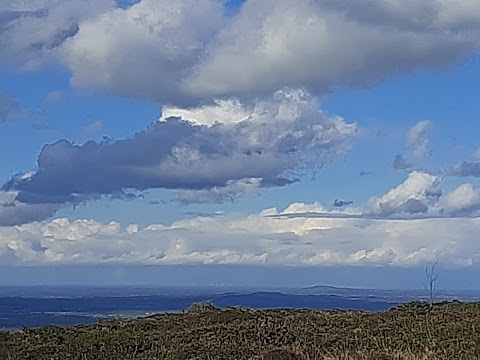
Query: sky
<point x="267" y="143"/>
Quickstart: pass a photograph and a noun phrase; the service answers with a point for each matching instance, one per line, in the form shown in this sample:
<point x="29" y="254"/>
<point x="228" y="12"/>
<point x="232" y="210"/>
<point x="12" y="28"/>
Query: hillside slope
<point x="412" y="331"/>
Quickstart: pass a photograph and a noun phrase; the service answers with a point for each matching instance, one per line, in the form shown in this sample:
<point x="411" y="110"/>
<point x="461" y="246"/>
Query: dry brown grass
<point x="282" y="354"/>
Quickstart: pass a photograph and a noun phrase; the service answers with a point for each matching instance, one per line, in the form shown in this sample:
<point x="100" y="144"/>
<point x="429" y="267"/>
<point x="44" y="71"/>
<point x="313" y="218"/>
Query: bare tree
<point x="431" y="280"/>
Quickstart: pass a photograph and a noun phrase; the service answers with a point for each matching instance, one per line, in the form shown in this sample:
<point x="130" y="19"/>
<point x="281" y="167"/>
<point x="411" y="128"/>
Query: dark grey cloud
<point x="412" y="206"/>
<point x="70" y="173"/>
<point x="16" y="214"/>
<point x="209" y="163"/>
<point x="465" y="168"/>
<point x="232" y="191"/>
<point x="410" y="16"/>
<point x="220" y="194"/>
<point x="13" y="212"/>
<point x="401" y="163"/>
<point x="58" y="38"/>
<point x="341" y="203"/>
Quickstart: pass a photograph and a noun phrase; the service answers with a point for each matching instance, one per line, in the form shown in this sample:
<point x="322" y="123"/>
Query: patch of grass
<point x="415" y="331"/>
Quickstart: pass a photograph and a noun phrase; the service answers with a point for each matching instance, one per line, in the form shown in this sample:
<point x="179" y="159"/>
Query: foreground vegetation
<point x="412" y="331"/>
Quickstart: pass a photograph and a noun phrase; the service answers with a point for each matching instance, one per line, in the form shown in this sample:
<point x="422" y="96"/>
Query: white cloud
<point x="32" y="31"/>
<point x="417" y="144"/>
<point x="297" y="207"/>
<point x="417" y="140"/>
<point x="476" y="154"/>
<point x="187" y="53"/>
<point x="53" y="97"/>
<point x="420" y="196"/>
<point x="410" y="225"/>
<point x="145" y="50"/>
<point x="322" y="45"/>
<point x="252" y="239"/>
<point x="93" y="128"/>
<point x="230" y="111"/>
<point x="415" y="195"/>
<point x="465" y="199"/>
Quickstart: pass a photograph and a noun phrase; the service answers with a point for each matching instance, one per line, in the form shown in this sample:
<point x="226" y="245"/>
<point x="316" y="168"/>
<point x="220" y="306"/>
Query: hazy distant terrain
<point x="63" y="306"/>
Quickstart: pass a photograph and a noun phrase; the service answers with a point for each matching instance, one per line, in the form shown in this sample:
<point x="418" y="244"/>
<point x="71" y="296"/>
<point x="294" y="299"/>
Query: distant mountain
<point x="35" y="306"/>
<point x="388" y="295"/>
<point x="17" y="312"/>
